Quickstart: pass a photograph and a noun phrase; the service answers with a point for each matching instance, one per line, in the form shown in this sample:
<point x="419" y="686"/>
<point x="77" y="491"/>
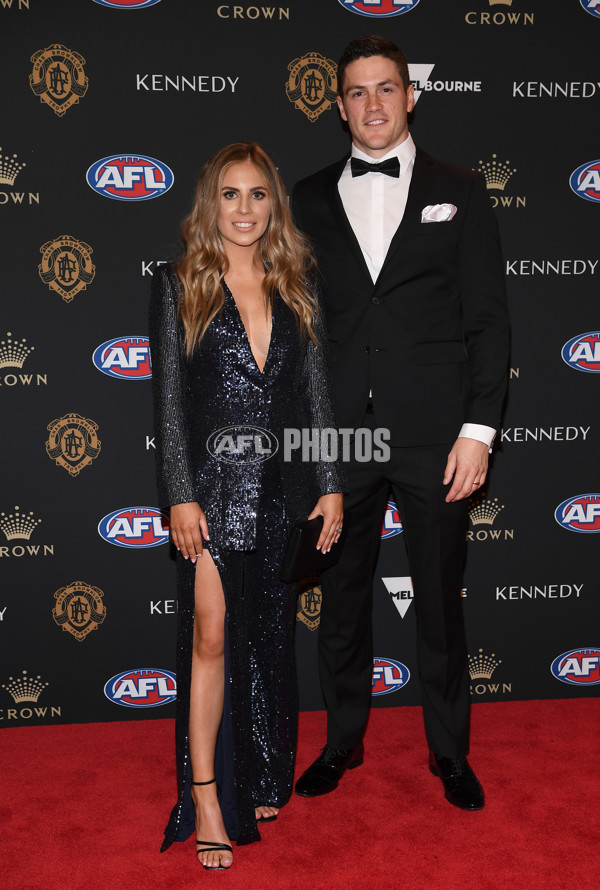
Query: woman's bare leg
<point x="206" y="706"/>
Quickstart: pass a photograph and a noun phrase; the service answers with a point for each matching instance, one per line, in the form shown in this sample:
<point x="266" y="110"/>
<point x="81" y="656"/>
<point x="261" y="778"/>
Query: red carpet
<point x="83" y="807"/>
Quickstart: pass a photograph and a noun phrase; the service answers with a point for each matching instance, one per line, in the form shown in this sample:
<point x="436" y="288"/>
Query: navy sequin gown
<point x="249" y="506"/>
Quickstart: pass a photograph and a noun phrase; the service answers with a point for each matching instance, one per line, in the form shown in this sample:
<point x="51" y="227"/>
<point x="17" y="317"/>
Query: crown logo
<point x="9" y="169"/>
<point x="500" y="2"/>
<point x="18" y="525"/>
<point x="13" y="353"/>
<point x="25" y="688"/>
<point x="485" y="511"/>
<point x="497" y="173"/>
<point x="481" y="667"/>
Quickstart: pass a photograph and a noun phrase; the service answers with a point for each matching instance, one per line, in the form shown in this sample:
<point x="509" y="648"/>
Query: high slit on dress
<point x="249" y="505"/>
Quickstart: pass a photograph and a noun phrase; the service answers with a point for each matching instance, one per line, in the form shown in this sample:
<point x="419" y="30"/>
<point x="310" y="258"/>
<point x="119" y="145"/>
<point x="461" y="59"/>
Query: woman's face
<point x="245" y="206"/>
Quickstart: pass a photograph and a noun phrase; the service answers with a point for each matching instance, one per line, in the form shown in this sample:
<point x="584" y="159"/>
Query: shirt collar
<point x="405" y="153"/>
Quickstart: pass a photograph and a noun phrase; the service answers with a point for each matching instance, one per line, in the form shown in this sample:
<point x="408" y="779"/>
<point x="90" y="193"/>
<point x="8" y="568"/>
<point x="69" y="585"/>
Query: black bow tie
<point x="391" y="167"/>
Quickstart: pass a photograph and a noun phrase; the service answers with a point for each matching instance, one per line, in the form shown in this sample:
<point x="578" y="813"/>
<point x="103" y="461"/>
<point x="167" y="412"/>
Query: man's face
<point x="375" y="105"/>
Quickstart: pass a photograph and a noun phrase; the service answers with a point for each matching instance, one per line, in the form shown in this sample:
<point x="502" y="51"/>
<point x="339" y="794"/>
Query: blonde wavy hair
<point x="283" y="250"/>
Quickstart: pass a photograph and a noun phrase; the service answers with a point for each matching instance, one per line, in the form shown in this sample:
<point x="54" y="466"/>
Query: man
<point x="418" y="343"/>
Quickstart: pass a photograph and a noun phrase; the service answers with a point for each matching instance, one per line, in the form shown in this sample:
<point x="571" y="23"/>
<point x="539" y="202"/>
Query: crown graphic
<point x="13" y="353"/>
<point x="500" y="2"/>
<point x="481" y="667"/>
<point x="9" y="169"/>
<point x="25" y="688"/>
<point x="497" y="173"/>
<point x="18" y="525"/>
<point x="485" y="512"/>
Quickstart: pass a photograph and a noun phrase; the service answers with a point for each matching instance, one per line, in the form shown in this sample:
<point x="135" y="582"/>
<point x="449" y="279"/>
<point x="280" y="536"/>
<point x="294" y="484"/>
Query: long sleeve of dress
<point x="316" y="384"/>
<point x="174" y="469"/>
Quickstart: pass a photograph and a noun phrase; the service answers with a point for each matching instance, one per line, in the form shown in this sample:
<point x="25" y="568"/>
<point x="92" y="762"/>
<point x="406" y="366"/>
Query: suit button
<point x="375" y="300"/>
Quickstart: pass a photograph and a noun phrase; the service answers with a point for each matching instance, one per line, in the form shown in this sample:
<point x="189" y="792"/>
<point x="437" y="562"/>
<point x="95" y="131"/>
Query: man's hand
<point x="468" y="464"/>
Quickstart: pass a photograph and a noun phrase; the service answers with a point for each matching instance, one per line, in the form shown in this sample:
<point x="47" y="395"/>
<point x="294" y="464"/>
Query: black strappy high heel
<point x="216" y="847"/>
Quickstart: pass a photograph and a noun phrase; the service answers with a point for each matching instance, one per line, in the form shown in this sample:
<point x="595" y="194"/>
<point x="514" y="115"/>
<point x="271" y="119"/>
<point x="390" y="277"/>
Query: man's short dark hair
<point x="364" y="48"/>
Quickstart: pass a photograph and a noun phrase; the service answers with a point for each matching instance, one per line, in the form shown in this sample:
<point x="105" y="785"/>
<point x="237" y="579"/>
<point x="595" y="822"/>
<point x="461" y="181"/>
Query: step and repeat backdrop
<point x="109" y="110"/>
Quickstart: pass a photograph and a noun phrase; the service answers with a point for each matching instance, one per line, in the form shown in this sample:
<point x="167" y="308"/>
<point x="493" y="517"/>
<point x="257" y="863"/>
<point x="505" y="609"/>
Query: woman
<point x="237" y="353"/>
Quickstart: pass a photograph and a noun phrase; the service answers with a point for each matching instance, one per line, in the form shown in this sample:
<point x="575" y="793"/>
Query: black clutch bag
<point x="302" y="558"/>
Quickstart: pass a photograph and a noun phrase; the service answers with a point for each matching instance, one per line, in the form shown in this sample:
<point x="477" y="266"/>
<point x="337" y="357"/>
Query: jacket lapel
<point x="334" y="201"/>
<point x="418" y="195"/>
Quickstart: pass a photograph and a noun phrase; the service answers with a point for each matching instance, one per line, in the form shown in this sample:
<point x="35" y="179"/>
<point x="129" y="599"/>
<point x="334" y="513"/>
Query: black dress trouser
<point x="435" y="535"/>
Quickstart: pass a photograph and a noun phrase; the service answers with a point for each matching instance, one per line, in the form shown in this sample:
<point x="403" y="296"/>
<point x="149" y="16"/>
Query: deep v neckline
<point x="247" y="338"/>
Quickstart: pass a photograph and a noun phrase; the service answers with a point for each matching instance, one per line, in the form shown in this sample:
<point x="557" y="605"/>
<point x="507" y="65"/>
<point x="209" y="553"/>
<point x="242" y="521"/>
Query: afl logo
<point x="580" y="667"/>
<point x="388" y="676"/>
<point x="392" y="524"/>
<point x="580" y="514"/>
<point x="135" y="527"/>
<point x="127" y="358"/>
<point x="585" y="181"/>
<point x="583" y="352"/>
<point x="142" y="688"/>
<point x="591" y="6"/>
<point x="242" y="444"/>
<point x="127" y="4"/>
<point x="379" y="8"/>
<point x="130" y="177"/>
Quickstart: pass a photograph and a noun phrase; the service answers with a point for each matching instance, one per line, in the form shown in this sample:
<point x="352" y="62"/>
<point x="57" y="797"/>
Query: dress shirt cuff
<point x="479" y="431"/>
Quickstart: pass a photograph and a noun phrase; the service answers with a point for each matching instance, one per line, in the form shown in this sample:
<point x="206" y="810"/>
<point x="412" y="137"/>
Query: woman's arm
<point x="175" y="478"/>
<point x="330" y="478"/>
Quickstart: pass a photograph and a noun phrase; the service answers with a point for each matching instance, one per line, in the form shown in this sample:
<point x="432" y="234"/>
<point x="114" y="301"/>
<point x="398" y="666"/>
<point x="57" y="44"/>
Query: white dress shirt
<point x="374" y="204"/>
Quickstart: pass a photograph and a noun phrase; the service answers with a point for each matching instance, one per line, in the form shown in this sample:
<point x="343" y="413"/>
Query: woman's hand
<point x="188" y="528"/>
<point x="331" y="508"/>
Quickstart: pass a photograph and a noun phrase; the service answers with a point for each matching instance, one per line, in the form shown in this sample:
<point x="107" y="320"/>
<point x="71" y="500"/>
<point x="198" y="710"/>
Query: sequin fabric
<point x="249" y="506"/>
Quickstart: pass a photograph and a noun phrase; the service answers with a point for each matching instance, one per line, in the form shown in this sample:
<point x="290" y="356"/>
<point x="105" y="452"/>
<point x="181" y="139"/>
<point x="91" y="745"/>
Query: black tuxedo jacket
<point x="430" y="336"/>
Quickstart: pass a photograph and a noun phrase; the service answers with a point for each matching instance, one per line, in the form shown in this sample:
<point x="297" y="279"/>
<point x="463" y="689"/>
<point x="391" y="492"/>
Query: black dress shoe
<point x="324" y="774"/>
<point x="461" y="785"/>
